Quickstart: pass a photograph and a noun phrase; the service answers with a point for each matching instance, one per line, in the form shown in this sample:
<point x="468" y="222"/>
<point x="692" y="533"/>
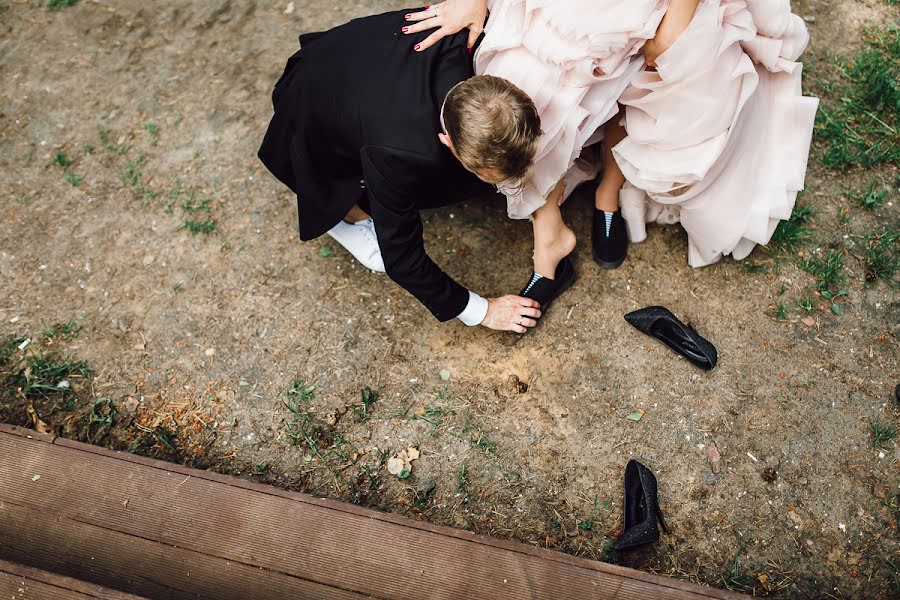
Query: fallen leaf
<point x="412" y="453"/>
<point x="809" y="322"/>
<point x="714" y="458"/>
<point x="635" y="416"/>
<point x="395" y="466"/>
<point x="39" y="425"/>
<point x="325" y="251"/>
<point x="404" y="474"/>
<point x="445" y="375"/>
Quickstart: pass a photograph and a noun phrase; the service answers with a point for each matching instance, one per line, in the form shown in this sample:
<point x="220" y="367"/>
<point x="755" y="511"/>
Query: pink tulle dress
<point x="718" y="135"/>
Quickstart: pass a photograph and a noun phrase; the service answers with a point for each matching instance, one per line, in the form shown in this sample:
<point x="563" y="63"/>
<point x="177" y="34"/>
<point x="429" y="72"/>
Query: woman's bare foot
<point x="552" y="249"/>
<point x="553" y="240"/>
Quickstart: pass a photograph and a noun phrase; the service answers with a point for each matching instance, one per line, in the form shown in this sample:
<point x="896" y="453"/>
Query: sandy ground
<point x="196" y="339"/>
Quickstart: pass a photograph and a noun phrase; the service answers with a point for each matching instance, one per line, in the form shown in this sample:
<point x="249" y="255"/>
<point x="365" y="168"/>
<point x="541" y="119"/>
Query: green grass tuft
<point x="881" y="255"/>
<point x="791" y="233"/>
<point x="60" y="4"/>
<point x="858" y="116"/>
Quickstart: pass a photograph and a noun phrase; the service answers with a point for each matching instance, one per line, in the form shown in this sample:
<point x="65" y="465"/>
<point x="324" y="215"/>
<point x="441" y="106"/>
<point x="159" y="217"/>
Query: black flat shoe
<point x="641" y="508"/>
<point x="660" y="323"/>
<point x="609" y="248"/>
<point x="546" y="290"/>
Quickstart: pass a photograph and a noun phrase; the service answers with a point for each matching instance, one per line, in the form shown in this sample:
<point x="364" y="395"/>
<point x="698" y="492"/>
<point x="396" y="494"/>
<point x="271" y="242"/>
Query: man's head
<point x="492" y="127"/>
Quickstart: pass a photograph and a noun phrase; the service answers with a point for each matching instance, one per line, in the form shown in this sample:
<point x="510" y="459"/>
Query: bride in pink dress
<point x="693" y="107"/>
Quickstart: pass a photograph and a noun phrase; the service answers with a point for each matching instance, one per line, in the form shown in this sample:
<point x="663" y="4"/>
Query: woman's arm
<point x="448" y="17"/>
<point x="678" y="16"/>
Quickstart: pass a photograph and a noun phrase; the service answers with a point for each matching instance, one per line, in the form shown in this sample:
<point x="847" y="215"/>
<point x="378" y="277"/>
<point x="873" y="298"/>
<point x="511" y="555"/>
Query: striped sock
<point x="534" y="279"/>
<point x="608" y="216"/>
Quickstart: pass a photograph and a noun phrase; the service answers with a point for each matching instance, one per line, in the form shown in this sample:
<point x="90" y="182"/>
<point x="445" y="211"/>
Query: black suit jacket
<point x="357" y="113"/>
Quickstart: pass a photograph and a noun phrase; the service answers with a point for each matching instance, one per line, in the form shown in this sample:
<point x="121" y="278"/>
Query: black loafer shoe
<point x="546" y="290"/>
<point x="660" y="323"/>
<point x="609" y="249"/>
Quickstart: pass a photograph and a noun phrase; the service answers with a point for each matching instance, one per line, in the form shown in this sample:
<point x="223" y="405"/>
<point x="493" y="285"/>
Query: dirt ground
<point x="205" y="322"/>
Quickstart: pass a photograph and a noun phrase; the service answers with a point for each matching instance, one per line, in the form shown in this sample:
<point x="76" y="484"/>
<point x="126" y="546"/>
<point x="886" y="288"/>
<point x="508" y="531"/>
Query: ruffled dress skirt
<point x="718" y="135"/>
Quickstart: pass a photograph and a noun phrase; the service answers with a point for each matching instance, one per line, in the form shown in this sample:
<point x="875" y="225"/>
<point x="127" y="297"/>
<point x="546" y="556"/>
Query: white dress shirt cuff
<point x="475" y="311"/>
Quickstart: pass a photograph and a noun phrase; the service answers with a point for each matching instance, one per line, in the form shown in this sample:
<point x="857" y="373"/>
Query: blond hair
<point x="493" y="126"/>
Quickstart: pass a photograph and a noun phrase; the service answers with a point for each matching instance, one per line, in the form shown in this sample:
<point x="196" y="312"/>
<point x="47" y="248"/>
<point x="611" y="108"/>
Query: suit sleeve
<point x="393" y="178"/>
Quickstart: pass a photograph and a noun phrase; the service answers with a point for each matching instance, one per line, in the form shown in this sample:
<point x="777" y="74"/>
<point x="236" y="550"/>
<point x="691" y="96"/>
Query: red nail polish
<point x="427" y="7"/>
<point x="416" y="47"/>
<point x="470" y="48"/>
<point x="407" y="17"/>
<point x="404" y="29"/>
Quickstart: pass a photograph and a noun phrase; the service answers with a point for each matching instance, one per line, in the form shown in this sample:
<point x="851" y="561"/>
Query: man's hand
<point x="448" y="17"/>
<point x="512" y="313"/>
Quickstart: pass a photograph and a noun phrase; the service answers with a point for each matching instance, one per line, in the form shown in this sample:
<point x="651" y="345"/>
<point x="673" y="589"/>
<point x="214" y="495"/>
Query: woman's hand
<point x="448" y="17"/>
<point x="511" y="313"/>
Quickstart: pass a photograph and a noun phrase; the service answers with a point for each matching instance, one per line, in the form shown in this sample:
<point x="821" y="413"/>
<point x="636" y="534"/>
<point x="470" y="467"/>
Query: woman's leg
<point x="609" y="235"/>
<point x="553" y="240"/>
<point x="606" y="198"/>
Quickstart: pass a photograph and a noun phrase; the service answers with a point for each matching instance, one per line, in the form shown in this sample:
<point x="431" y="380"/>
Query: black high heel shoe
<point x="660" y="323"/>
<point x="641" y="508"/>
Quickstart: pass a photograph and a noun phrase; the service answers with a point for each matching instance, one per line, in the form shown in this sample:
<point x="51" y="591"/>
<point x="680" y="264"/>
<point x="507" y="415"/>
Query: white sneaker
<point x="360" y="240"/>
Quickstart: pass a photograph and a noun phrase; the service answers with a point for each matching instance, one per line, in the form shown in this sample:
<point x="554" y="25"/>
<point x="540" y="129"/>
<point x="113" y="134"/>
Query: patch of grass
<point x="61" y="160"/>
<point x="806" y="303"/>
<point x="780" y="314"/>
<point x="99" y="421"/>
<point x="42" y="375"/>
<point x="827" y="268"/>
<point x="87" y="149"/>
<point x="73" y="179"/>
<point x="462" y="479"/>
<point x="61" y="330"/>
<point x="104" y="134"/>
<point x="433" y="415"/>
<point x="753" y="268"/>
<point x="483" y="443"/>
<point x="872" y="197"/>
<point x="132" y="173"/>
<point x="791" y="233"/>
<point x="204" y="226"/>
<point x="192" y="205"/>
<point x="858" y="116"/>
<point x="153" y="129"/>
<point x="882" y="432"/>
<point x="60" y="4"/>
<point x="368" y="398"/>
<point x="881" y="256"/>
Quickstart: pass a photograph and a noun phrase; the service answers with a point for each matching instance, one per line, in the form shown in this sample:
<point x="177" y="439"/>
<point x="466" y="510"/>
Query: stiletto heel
<point x="662" y="521"/>
<point x="641" y="508"/>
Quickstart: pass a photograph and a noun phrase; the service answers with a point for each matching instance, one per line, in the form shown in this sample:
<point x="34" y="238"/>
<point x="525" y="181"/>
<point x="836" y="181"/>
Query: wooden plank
<point x="334" y="544"/>
<point x="141" y="566"/>
<point x="21" y="581"/>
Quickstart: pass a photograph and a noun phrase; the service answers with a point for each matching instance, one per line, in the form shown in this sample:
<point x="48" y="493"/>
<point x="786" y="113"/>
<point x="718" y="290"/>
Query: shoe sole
<point x="607" y="264"/>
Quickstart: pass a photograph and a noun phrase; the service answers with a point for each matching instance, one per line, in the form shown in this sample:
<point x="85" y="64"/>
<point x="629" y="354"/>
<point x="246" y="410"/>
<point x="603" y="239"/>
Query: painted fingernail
<point x="416" y="47"/>
<point x="427" y="7"/>
<point x="405" y="29"/>
<point x="407" y="17"/>
<point x="470" y="49"/>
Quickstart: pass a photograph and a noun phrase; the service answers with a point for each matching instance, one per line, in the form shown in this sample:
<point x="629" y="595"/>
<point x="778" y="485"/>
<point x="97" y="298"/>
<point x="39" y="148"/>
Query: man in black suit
<point x="363" y="126"/>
